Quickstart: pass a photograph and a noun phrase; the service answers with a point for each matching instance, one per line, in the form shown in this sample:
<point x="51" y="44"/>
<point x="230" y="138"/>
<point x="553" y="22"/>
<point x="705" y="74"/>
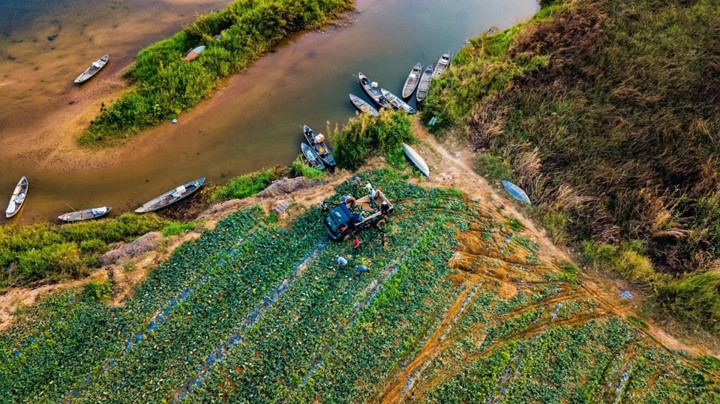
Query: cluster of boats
<point x="19" y="197"/>
<point x="418" y="79"/>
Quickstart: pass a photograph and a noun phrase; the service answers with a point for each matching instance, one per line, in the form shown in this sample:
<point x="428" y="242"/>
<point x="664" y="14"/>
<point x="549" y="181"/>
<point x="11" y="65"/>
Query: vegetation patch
<point x="605" y="111"/>
<point x="250" y="184"/>
<point x="165" y="85"/>
<point x="52" y="252"/>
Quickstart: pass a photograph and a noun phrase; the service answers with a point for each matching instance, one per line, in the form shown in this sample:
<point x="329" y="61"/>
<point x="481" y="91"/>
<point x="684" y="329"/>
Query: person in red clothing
<point x="356" y="243"/>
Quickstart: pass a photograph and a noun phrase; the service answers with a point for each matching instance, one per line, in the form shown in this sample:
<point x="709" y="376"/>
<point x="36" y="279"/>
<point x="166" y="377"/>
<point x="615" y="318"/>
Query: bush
<point x="365" y="136"/>
<point x="493" y="167"/>
<point x="175" y="228"/>
<point x="97" y="290"/>
<point x="300" y="168"/>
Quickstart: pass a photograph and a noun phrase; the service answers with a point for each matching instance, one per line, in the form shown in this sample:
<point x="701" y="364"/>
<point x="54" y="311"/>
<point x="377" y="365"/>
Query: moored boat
<point x="18" y="198"/>
<point x="363" y="106"/>
<point x="516" y="192"/>
<point x="442" y="64"/>
<point x="317" y="142"/>
<point x="372" y="90"/>
<point x="194" y="53"/>
<point x="312" y="157"/>
<point x="92" y="70"/>
<point x="424" y="85"/>
<point x="416" y="159"/>
<point x="85" y="214"/>
<point x="172" y="196"/>
<point x="412" y="81"/>
<point x="397" y="102"/>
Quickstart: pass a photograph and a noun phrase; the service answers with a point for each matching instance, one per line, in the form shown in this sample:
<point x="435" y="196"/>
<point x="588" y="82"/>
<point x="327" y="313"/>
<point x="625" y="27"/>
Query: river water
<point x="251" y="122"/>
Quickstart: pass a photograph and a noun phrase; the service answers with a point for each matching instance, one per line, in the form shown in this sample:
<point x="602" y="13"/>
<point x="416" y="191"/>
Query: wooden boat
<point x="18" y="198"/>
<point x="412" y="81"/>
<point x="372" y="90"/>
<point x="397" y="102"/>
<point x="516" y="192"/>
<point x="312" y="157"/>
<point x="92" y="70"/>
<point x="424" y="85"/>
<point x="416" y="159"/>
<point x="194" y="53"/>
<point x="86" y="214"/>
<point x="441" y="65"/>
<point x="363" y="106"/>
<point x="317" y="142"/>
<point x="172" y="196"/>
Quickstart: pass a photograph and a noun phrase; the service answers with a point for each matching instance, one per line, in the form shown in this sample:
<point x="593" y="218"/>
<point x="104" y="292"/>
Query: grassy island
<point x="165" y="85"/>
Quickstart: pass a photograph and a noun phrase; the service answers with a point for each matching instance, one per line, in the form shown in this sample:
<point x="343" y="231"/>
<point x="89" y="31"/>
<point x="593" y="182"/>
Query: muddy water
<point x="252" y="121"/>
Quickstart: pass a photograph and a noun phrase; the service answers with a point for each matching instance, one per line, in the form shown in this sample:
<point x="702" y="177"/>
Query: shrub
<point x="249" y="184"/>
<point x="300" y="168"/>
<point x="175" y="228"/>
<point x="493" y="167"/>
<point x="98" y="290"/>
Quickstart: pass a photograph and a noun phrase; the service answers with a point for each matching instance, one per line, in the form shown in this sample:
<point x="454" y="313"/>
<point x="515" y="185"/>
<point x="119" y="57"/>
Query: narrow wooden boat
<point x="516" y="192"/>
<point x="18" y="198"/>
<point x="317" y="142"/>
<point x="92" y="70"/>
<point x="172" y="196"/>
<point x="412" y="81"/>
<point x="372" y="90"/>
<point x="441" y="65"/>
<point x="424" y="85"/>
<point x="85" y="214"/>
<point x="194" y="53"/>
<point x="416" y="159"/>
<point x="397" y="102"/>
<point x="363" y="106"/>
<point x="312" y="157"/>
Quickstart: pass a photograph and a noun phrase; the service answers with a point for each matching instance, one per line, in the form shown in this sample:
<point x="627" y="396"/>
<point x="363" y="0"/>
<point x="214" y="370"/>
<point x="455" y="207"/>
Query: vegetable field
<point x="458" y="306"/>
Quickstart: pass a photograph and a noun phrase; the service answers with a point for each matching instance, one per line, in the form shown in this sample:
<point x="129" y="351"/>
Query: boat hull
<point x="416" y="159"/>
<point x="85" y="214"/>
<point x="17" y="200"/>
<point x="172" y="196"/>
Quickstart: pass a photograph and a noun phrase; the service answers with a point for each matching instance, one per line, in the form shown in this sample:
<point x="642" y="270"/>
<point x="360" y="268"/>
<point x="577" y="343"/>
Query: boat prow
<point x="416" y="159"/>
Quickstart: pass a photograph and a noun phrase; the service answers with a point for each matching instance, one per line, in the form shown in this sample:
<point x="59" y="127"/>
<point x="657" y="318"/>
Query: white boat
<point x="363" y="106"/>
<point x="94" y="68"/>
<point x="416" y="159"/>
<point x="85" y="214"/>
<point x="397" y="102"/>
<point x="412" y="81"/>
<point x="18" y="198"/>
<point x="424" y="85"/>
<point x="441" y="65"/>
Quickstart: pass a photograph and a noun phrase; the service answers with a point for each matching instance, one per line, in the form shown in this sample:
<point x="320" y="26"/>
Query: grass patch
<point x="175" y="228"/>
<point x="98" y="290"/>
<point x="493" y="168"/>
<point x="300" y="168"/>
<point x="637" y="322"/>
<point x="249" y="184"/>
<point x="45" y="251"/>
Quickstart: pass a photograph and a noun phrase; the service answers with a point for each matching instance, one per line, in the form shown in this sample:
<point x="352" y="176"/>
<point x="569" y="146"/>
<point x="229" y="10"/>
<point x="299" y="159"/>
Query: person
<point x="350" y="201"/>
<point x="341" y="261"/>
<point x="371" y="191"/>
<point x="361" y="269"/>
<point x="356" y="181"/>
<point x="384" y="208"/>
<point x="323" y="206"/>
<point x="382" y="239"/>
<point x="356" y="243"/>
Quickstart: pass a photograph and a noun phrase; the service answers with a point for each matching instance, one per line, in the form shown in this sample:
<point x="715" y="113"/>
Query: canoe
<point x="193" y="54"/>
<point x="516" y="192"/>
<point x="424" y="85"/>
<point x="86" y="214"/>
<point x="172" y="196"/>
<point x="372" y="90"/>
<point x="312" y="157"/>
<point x="416" y="159"/>
<point x="18" y="198"/>
<point x="317" y="142"/>
<point x="441" y="65"/>
<point x="94" y="68"/>
<point x="412" y="81"/>
<point x="363" y="106"/>
<point x="397" y="102"/>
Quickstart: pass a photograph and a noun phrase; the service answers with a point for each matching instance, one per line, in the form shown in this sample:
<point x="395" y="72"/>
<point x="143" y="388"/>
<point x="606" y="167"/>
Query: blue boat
<point x="516" y="192"/>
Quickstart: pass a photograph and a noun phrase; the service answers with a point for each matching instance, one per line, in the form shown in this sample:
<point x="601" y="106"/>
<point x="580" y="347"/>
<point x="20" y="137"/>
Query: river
<point x="251" y="121"/>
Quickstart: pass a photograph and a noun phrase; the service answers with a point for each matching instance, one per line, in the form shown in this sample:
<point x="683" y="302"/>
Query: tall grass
<point x="165" y="85"/>
<point x="608" y="112"/>
<point x="45" y="251"/>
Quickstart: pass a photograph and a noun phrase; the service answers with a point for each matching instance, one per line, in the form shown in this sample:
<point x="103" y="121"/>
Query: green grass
<point x="52" y="252"/>
<point x="249" y="184"/>
<point x="165" y="85"/>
